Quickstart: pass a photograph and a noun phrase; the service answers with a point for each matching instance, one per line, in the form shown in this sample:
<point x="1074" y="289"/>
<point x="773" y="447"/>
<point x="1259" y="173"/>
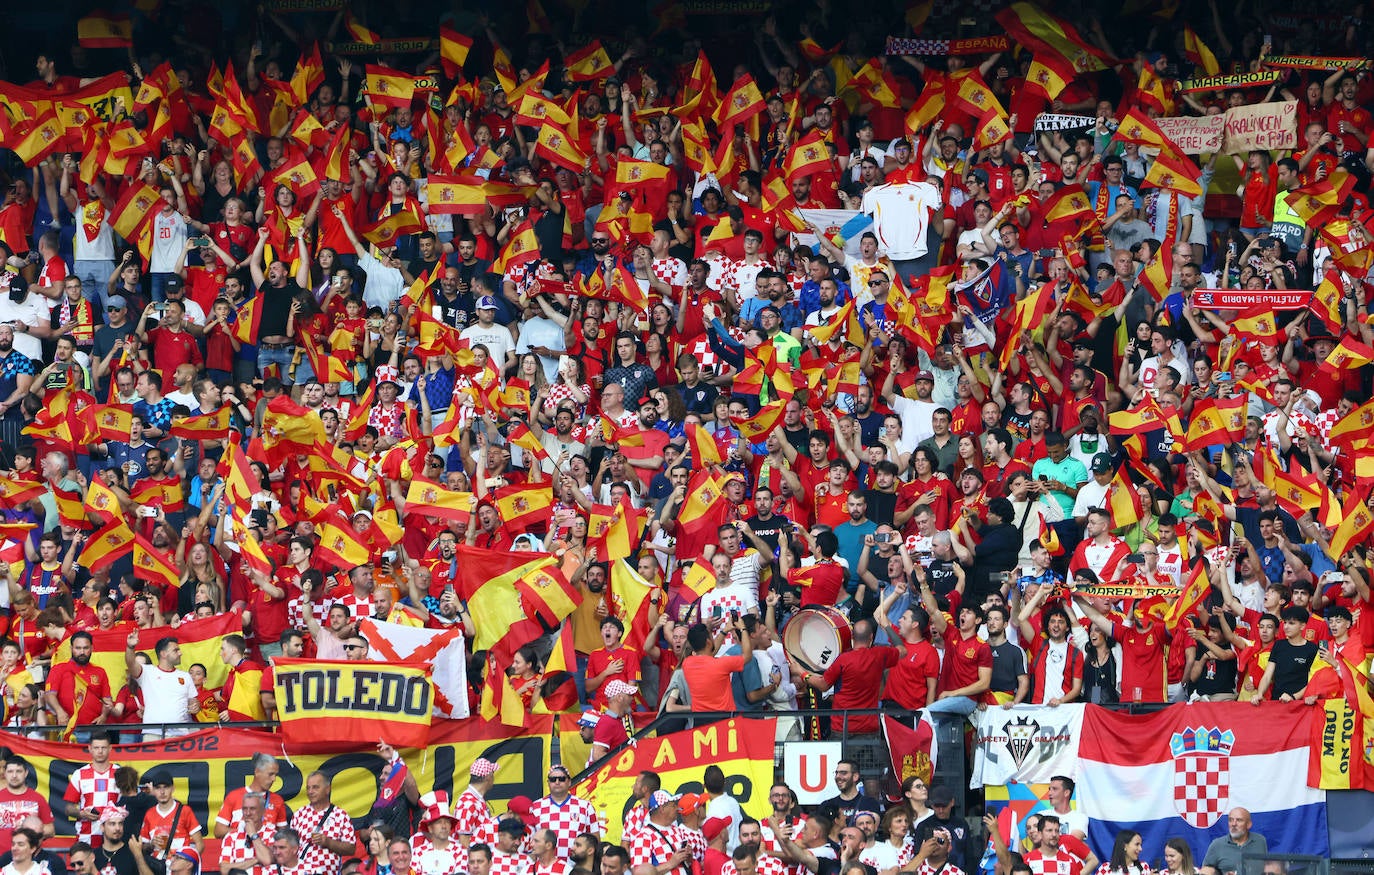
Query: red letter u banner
<point x="353" y="702"/>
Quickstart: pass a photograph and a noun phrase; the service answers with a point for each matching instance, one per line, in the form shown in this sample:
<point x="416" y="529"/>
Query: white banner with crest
<point x="1028" y="744"/>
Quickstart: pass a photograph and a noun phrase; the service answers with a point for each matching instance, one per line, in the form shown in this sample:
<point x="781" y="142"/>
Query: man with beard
<point x="169" y="693"/>
<point x="869" y="420"/>
<point x="113" y="855"/>
<point x="851" y="799"/>
<point x="751" y="840"/>
<point x="79" y="686"/>
<point x="161" y="480"/>
<point x="646" y="459"/>
<point x="561" y="440"/>
<point x="586" y="852"/>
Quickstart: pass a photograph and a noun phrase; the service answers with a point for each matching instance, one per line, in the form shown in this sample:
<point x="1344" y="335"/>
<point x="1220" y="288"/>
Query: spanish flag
<point x="341" y="545"/>
<point x="459" y="195"/>
<point x="546" y="590"/>
<point x="757" y="427"/>
<point x="70" y="509"/>
<point x="308" y="76"/>
<point x="1123" y="501"/>
<point x="1050" y="79"/>
<point x="1215" y="421"/>
<point x="453" y="51"/>
<point x="632" y="596"/>
<point x="1328" y="300"/>
<point x="523" y="505"/>
<point x="113" y="422"/>
<point x="153" y="564"/>
<point x="1046" y="35"/>
<point x="203" y="426"/>
<point x="1070" y="203"/>
<point x="992" y="129"/>
<point x="248" y="319"/>
<point x="1174" y="173"/>
<point x="589" y="63"/>
<point x="1256" y="324"/>
<point x="705" y="450"/>
<point x="699" y="578"/>
<point x="845" y="324"/>
<point x="741" y="103"/>
<point x="807" y="156"/>
<point x="1136" y="127"/>
<point x="1196" y="51"/>
<point x="101" y="501"/>
<point x="42" y="136"/>
<point x="1349" y="353"/>
<point x="523" y="438"/>
<point x="336" y="163"/>
<point x="487" y="582"/>
<point x="430" y="499"/>
<point x="359" y="32"/>
<point x="105" y="30"/>
<point x="535" y="110"/>
<point x="1158" y="276"/>
<point x="559" y="148"/>
<point x="290" y="427"/>
<point x="106" y="545"/>
<point x="614" y="531"/>
<point x="521" y="248"/>
<point x="16" y="491"/>
<point x="500" y="701"/>
<point x="384" y="232"/>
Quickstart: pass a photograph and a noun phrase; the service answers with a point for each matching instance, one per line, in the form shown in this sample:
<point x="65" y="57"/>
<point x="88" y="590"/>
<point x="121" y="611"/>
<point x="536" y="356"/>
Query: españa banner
<point x="207" y="765"/>
<point x="353" y="702"/>
<point x="743" y="748"/>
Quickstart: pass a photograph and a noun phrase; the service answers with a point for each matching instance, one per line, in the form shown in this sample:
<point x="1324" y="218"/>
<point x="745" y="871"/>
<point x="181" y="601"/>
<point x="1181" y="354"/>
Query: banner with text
<point x="1194" y="134"/>
<point x="742" y="748"/>
<point x="1244" y="299"/>
<point x="208" y="764"/>
<point x="1026" y="744"/>
<point x="1264" y="126"/>
<point x="353" y="702"/>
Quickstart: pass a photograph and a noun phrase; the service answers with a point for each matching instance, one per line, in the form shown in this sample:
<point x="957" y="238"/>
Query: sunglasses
<point x="559" y="778"/>
<point x="349" y="648"/>
<point x="872" y="283"/>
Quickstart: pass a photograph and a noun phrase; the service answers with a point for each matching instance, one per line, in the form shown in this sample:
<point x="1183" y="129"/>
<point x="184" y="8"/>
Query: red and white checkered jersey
<point x="653" y="845"/>
<point x="1140" y="868"/>
<point x="770" y="844"/>
<point x="558" y="866"/>
<point x="696" y="840"/>
<point x="1063" y="863"/>
<point x="509" y="864"/>
<point x="473" y="815"/>
<point x="426" y="859"/>
<point x="670" y="271"/>
<point x="358" y="608"/>
<point x="634" y="819"/>
<point x="235" y="849"/>
<point x="568" y="820"/>
<point x="768" y="865"/>
<point x="301" y="868"/>
<point x="333" y="821"/>
<point x="295" y="613"/>
<point x="91" y="789"/>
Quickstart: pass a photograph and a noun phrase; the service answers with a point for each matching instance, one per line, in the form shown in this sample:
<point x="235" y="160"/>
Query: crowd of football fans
<point x="809" y="346"/>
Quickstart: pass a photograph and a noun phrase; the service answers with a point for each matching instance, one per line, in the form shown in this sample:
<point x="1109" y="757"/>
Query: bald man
<point x="1223" y="854"/>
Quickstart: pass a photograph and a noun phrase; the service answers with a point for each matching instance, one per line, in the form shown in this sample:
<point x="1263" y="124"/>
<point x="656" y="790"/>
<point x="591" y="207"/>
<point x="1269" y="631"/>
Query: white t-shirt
<point x="99" y="249"/>
<point x="166" y="695"/>
<point x="169" y="239"/>
<point x="901" y="216"/>
<point x="916" y="416"/>
<point x="32" y="311"/>
<point x="497" y="339"/>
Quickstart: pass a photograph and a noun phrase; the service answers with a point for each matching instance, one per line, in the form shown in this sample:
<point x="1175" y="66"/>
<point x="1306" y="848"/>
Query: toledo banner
<point x="353" y="702"/>
<point x="743" y="748"/>
<point x="208" y="764"/>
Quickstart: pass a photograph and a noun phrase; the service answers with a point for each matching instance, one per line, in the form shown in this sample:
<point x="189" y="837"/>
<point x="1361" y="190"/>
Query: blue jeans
<point x="93" y="276"/>
<point x="962" y="706"/>
<point x="159" y="285"/>
<point x="279" y="357"/>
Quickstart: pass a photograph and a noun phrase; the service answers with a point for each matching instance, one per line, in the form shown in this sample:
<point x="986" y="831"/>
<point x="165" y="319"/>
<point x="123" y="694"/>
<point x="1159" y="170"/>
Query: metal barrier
<point x="1283" y="864"/>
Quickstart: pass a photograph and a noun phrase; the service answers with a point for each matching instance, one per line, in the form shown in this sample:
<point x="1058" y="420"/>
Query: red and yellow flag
<point x="453" y="51"/>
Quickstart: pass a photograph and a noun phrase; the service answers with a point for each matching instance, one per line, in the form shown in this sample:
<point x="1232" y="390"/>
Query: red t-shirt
<point x="1142" y="661"/>
<point x="597" y="661"/>
<point x="172" y="349"/>
<point x="708" y="680"/>
<point x="820" y="583"/>
<point x="63" y="682"/>
<point x="963" y="658"/>
<point x="906" y="683"/>
<point x="859" y="674"/>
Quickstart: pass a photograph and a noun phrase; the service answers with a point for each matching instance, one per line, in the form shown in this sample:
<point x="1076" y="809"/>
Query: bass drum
<point x="816" y="635"/>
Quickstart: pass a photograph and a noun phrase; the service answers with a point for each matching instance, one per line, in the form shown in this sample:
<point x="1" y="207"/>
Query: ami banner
<point x="742" y="748"/>
<point x="208" y="764"/>
<point x="353" y="702"/>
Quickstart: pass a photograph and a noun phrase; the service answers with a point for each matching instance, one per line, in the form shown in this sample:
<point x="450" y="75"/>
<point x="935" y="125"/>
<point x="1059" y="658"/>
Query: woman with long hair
<point x="527" y="676"/>
<point x="1178" y="858"/>
<point x="28" y="710"/>
<point x="1101" y="669"/>
<point x="379" y="837"/>
<point x="970" y="455"/>
<point x="530" y="370"/>
<point x="569" y="385"/>
<point x="658" y="356"/>
<point x="200" y="569"/>
<point x="386" y="343"/>
<point x="1125" y="859"/>
<point x="916" y="796"/>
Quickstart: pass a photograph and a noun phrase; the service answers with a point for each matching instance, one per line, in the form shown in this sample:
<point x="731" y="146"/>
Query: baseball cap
<point x="714" y="827"/>
<point x="979" y="174"/>
<point x="925" y="375"/>
<point x="1083" y="340"/>
<point x="941" y="795"/>
<point x="190" y="855"/>
<point x="159" y="777"/>
<point x="486" y="302"/>
<point x="619" y="688"/>
<point x="1102" y="463"/>
<point x="116" y="301"/>
<point x="689" y="802"/>
<point x="589" y="719"/>
<point x="660" y="799"/>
